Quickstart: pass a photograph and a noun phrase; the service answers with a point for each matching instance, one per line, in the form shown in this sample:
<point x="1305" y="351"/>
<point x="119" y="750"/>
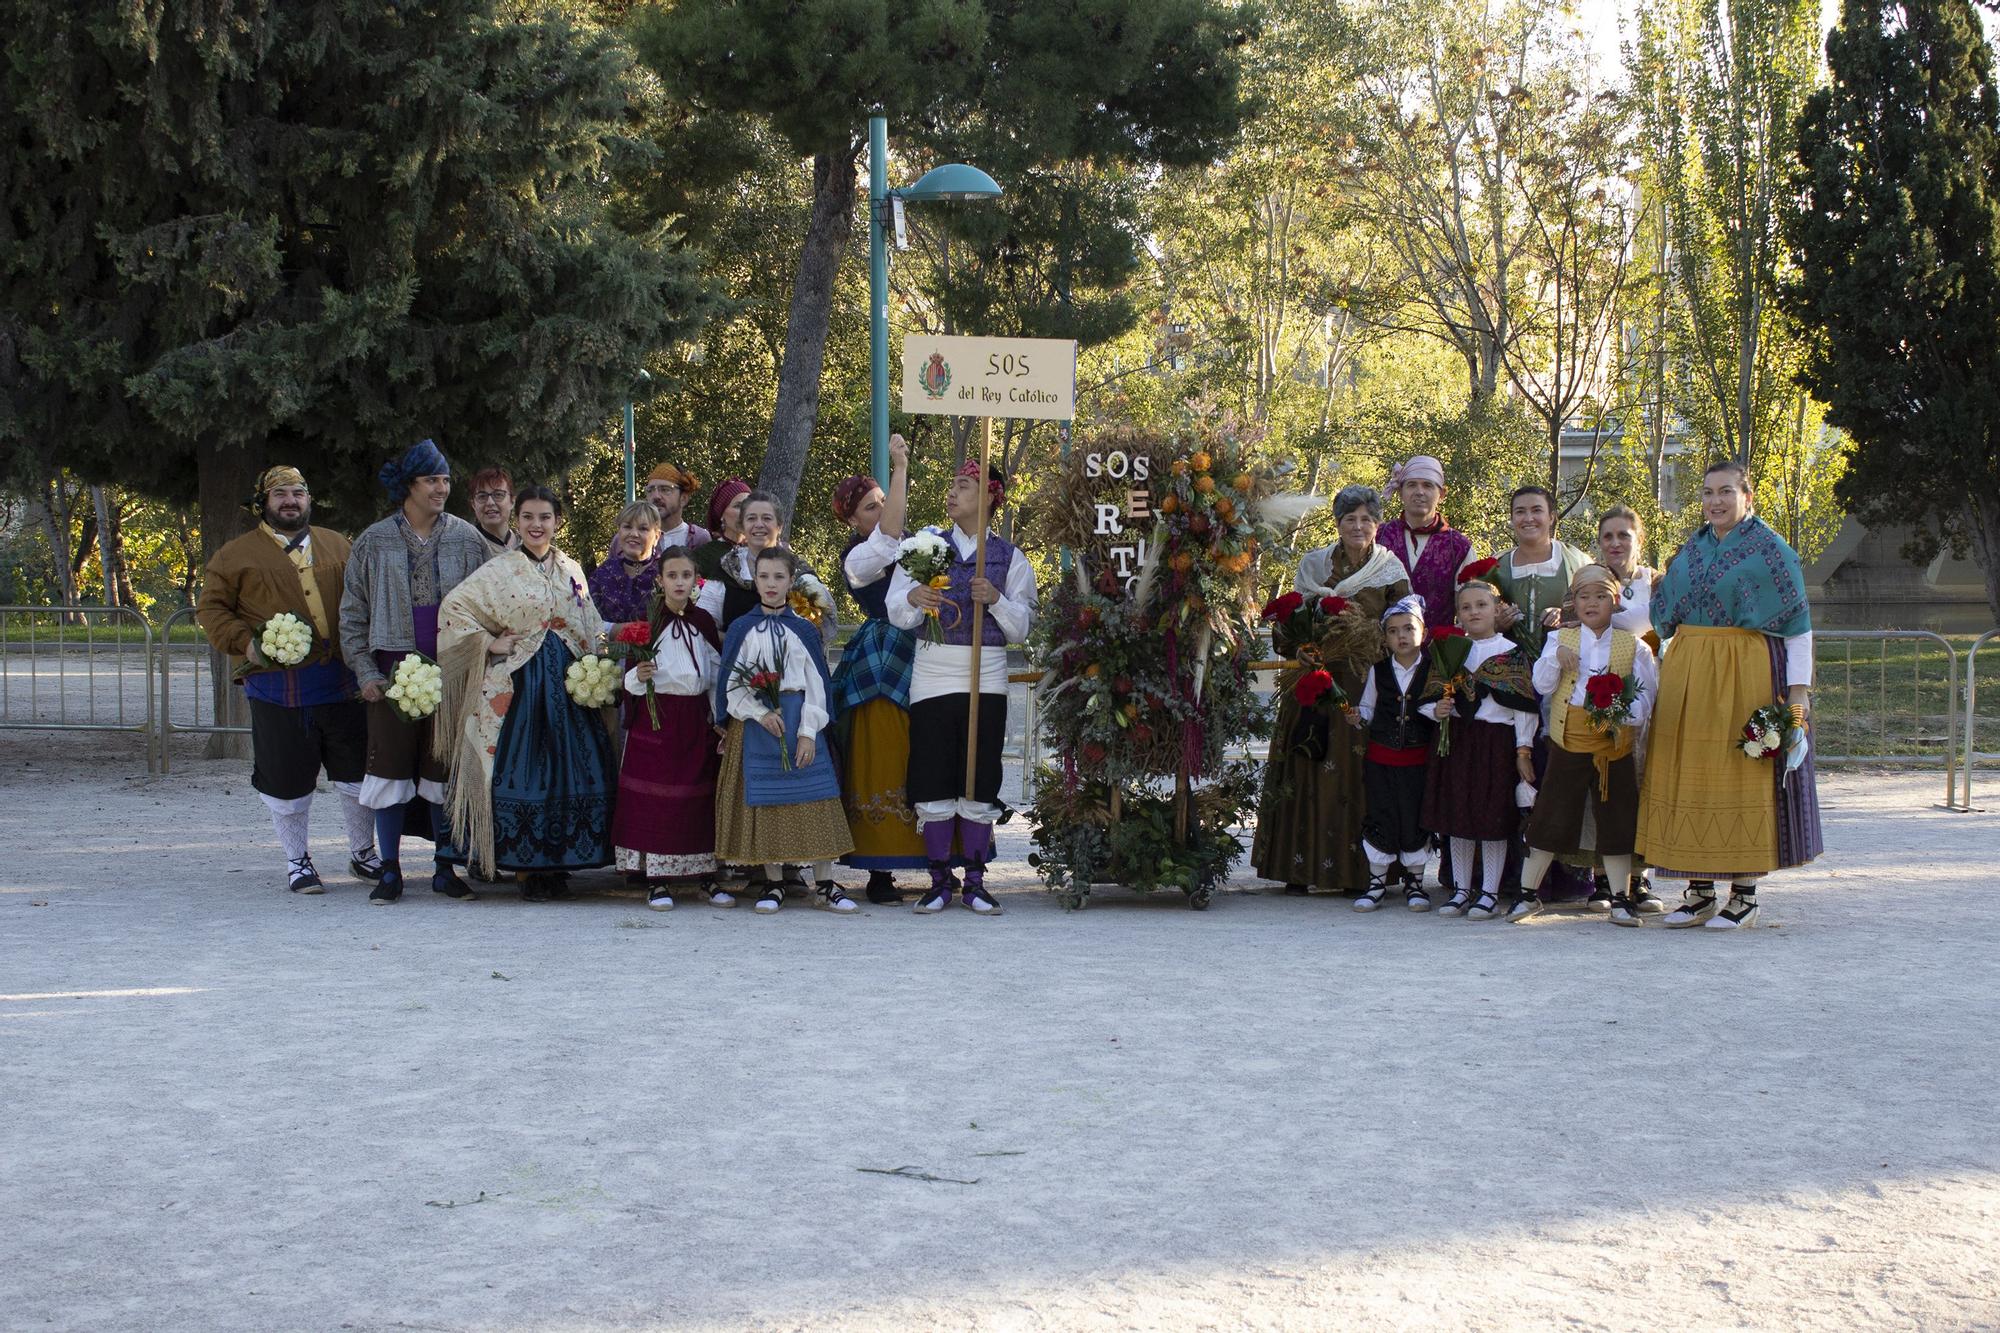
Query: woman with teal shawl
<point x="1731" y="611"/>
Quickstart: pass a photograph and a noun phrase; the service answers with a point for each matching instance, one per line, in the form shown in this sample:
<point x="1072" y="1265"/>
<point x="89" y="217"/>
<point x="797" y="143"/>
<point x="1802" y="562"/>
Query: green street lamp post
<point x="631" y="441"/>
<point x="954" y="180"/>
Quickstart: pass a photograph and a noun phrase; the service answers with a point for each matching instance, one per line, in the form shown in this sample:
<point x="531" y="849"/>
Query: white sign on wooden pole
<point x="989" y="377"/>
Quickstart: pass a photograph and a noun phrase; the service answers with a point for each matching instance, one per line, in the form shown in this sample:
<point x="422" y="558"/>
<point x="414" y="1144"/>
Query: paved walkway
<point x="229" y="1108"/>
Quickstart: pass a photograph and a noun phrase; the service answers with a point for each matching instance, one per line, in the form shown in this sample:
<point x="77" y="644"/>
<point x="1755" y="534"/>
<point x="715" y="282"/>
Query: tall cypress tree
<point x="316" y="231"/>
<point x="1897" y="229"/>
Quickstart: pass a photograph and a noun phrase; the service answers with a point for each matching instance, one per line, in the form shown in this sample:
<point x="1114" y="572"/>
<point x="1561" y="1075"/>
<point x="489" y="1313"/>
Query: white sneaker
<point x="659" y="899"/>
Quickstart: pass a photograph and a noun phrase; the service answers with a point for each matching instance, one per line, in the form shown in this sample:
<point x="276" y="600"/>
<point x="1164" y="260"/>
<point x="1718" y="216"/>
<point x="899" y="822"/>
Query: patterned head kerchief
<point x="282" y="475"/>
<point x="422" y="459"/>
<point x="1410" y="605"/>
<point x="996" y="482"/>
<point x="679" y="476"/>
<point x="1597" y="576"/>
<point x="1421" y="468"/>
<point x="849" y="494"/>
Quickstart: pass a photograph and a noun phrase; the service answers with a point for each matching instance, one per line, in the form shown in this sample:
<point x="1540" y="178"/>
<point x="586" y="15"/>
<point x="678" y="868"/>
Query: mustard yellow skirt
<point x="874" y="771"/>
<point x="1705" y="807"/>
<point x="748" y="835"/>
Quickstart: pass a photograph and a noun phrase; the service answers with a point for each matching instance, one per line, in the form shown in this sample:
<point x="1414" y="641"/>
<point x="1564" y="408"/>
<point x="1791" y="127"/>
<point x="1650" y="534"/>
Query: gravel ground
<point x="230" y="1108"/>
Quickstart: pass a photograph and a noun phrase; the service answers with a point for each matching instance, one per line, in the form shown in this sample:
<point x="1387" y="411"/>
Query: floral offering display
<point x="592" y="681"/>
<point x="417" y="687"/>
<point x="1145" y="649"/>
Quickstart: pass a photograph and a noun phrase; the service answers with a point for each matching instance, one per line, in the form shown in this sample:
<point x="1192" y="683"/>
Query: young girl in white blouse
<point x="1469" y="793"/>
<point x="664" y="829"/>
<point x="777" y="797"/>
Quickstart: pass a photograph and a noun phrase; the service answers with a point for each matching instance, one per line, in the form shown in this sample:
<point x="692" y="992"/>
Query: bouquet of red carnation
<point x="632" y="643"/>
<point x="1450" y="649"/>
<point x="1317" y="694"/>
<point x="766" y="686"/>
<point x="1607" y="697"/>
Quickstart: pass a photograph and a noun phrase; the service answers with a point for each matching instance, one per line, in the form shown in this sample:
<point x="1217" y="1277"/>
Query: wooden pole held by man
<point x="978" y="607"/>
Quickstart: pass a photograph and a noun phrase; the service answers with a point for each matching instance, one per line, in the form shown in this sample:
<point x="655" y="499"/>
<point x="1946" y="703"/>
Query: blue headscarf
<point x="422" y="459"/>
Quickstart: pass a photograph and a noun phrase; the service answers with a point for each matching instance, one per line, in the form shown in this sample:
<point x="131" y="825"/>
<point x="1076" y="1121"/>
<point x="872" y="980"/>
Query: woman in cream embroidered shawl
<point x="532" y="772"/>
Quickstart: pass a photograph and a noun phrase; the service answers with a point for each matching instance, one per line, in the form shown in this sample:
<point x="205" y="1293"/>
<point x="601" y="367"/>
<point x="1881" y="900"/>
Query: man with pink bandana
<point x="941" y="687"/>
<point x="1429" y="547"/>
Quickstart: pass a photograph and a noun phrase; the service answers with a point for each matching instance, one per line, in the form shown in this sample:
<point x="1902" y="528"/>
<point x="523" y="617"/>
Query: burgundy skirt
<point x="666" y="787"/>
<point x="1469" y="793"/>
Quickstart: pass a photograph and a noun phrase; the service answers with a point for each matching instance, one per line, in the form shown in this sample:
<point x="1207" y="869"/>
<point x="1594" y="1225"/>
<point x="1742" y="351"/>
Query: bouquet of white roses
<point x="284" y="641"/>
<point x="926" y="558"/>
<point x="417" y="687"/>
<point x="592" y="681"/>
<point x="811" y="599"/>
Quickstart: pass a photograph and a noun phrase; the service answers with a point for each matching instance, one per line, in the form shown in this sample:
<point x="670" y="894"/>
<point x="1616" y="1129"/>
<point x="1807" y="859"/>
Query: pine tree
<point x="316" y="231"/>
<point x="1897" y="228"/>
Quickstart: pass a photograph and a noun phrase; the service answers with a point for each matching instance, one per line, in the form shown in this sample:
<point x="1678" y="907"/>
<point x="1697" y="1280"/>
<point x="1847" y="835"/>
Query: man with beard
<point x="400" y="569"/>
<point x="303" y="718"/>
<point x="668" y="489"/>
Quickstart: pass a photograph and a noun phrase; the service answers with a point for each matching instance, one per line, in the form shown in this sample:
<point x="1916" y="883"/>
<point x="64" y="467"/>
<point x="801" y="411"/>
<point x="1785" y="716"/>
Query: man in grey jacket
<point x="397" y="573"/>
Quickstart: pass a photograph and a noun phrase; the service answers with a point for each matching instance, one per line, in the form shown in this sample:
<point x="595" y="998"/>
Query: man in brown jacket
<point x="303" y="716"/>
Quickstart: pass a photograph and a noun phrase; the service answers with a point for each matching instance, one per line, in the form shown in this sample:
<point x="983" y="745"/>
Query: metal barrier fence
<point x="1971" y="709"/>
<point x="187" y="677"/>
<point x="1884" y="724"/>
<point x="95" y="668"/>
<point x="72" y="668"/>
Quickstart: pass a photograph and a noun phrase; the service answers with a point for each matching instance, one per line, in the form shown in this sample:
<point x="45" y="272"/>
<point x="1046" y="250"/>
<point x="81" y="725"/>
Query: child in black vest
<point x="1393" y="768"/>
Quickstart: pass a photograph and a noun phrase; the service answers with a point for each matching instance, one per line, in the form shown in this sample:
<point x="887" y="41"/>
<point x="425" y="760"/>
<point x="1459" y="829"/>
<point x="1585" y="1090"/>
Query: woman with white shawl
<point x="1309" y="819"/>
<point x="532" y="774"/>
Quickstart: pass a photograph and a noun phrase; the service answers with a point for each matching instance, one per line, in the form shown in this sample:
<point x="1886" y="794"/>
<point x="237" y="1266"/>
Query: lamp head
<point x="953" y="180"/>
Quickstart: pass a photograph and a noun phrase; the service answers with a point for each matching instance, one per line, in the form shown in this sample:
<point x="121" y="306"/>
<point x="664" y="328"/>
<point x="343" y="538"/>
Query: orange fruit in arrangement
<point x="1199" y="462"/>
<point x="1244" y="481"/>
<point x="1183" y="562"/>
<point x="1093" y="671"/>
<point x="1180" y="467"/>
<point x="1206" y="485"/>
<point x="1169" y="505"/>
<point x="1225" y="506"/>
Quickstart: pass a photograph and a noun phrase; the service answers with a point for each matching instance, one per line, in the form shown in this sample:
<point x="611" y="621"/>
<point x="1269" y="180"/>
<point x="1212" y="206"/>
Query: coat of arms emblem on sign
<point x="937" y="375"/>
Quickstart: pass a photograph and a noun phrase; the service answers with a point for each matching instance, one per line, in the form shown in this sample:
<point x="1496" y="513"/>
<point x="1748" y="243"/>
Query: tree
<point x="1001" y="82"/>
<point x="317" y="232"/>
<point x="1720" y="85"/>
<point x="1897" y="228"/>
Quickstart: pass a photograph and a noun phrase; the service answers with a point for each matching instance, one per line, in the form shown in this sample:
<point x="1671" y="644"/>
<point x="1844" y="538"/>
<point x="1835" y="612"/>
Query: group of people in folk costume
<point x="722" y="755"/>
<point x="1539" y="767"/>
<point x="737" y="747"/>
